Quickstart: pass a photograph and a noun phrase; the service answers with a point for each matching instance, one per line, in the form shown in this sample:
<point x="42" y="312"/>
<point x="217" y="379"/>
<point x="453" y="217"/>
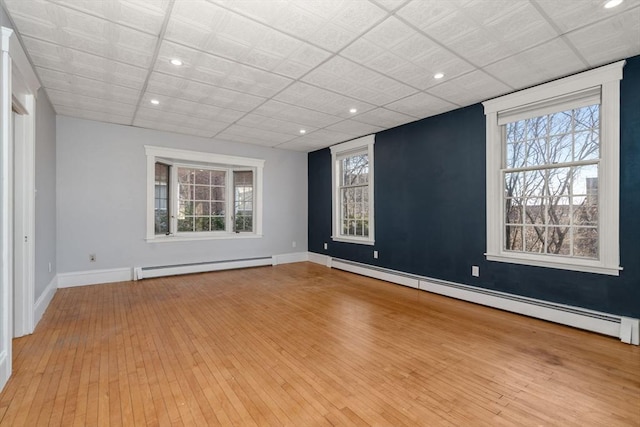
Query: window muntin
<point x="550" y="180"/>
<point x="203" y="195"/>
<point x="568" y="186"/>
<point x="352" y="192"/>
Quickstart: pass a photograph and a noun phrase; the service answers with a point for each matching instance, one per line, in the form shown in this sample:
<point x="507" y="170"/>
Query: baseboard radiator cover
<point x="625" y="328"/>
<point x="199" y="267"/>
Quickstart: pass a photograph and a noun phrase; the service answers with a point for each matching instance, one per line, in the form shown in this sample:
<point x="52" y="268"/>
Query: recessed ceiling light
<point x="302" y="131"/>
<point x="438" y="75"/>
<point x="177" y="62"/>
<point x="353" y="110"/>
<point x="155" y="102"/>
<point x="612" y="3"/>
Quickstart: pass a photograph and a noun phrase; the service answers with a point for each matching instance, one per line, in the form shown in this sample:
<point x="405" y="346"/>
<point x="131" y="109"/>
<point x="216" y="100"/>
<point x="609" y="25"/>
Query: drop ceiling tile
<point x="60" y="58"/>
<point x="425" y="13"/>
<point x="390" y="33"/>
<point x="421" y="105"/>
<point x="158" y="115"/>
<point x="192" y="109"/>
<point x="322" y="100"/>
<point x="384" y="117"/>
<point x="355" y="16"/>
<point x="219" y="71"/>
<point x="609" y="40"/>
<point x="92" y="115"/>
<point x="570" y="15"/>
<point x="354" y="128"/>
<point x="471" y="88"/>
<point x="86" y="33"/>
<point x="167" y="127"/>
<point x="274" y="125"/>
<point x="344" y="76"/>
<point x="75" y="100"/>
<point x="543" y="63"/>
<point x="146" y="15"/>
<point x="281" y="111"/>
<point x="391" y="4"/>
<point x="249" y="135"/>
<point x="177" y="87"/>
<point x="52" y="79"/>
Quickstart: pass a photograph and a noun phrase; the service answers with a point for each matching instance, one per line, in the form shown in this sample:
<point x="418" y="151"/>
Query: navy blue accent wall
<point x="431" y="219"/>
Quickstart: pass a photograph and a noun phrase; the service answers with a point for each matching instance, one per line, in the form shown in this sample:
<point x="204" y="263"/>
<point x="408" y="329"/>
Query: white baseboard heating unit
<point x="198" y="267"/>
<point x="625" y="328"/>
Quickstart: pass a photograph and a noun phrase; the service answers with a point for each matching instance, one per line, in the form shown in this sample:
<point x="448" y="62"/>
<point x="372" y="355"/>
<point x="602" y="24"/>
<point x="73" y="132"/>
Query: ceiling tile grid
<point x="259" y="72"/>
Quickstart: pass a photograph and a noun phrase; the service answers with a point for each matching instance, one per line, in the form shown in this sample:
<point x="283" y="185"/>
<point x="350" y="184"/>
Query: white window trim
<point x="608" y="79"/>
<point x="359" y="144"/>
<point x="179" y="156"/>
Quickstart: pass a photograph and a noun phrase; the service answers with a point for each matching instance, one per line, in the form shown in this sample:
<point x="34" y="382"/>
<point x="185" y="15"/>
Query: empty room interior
<point x="320" y="212"/>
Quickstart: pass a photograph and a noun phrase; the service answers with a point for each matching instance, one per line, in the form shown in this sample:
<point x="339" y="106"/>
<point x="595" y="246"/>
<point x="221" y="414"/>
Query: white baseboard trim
<point x="94" y="277"/>
<point x="319" y="259"/>
<point x="290" y="258"/>
<point x="5" y="369"/>
<point x="378" y="273"/>
<point x="627" y="329"/>
<point x="44" y="300"/>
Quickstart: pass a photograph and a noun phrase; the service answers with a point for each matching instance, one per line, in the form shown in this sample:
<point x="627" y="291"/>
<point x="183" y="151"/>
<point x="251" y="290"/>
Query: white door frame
<point x="21" y="91"/>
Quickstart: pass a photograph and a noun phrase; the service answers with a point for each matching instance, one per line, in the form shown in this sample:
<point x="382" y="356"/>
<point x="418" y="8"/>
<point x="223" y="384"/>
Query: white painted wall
<point x="45" y="183"/>
<point x="101" y="181"/>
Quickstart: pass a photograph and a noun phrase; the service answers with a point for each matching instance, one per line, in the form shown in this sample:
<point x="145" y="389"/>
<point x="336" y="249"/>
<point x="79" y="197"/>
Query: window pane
<point x="185" y="224"/>
<point x="202" y="177"/>
<point x="585" y="180"/>
<point x="587" y="145"/>
<point x="559" y="240"/>
<point x="513" y="238"/>
<point x="513" y="209"/>
<point x="585" y="211"/>
<point x="534" y="211"/>
<point x="534" y="239"/>
<point x="587" y="118"/>
<point x="558" y="211"/>
<point x="202" y="224"/>
<point x="162" y="172"/>
<point x="217" y="223"/>
<point x="514" y="184"/>
<point x="585" y="242"/>
<point x="243" y="201"/>
<point x="559" y="181"/>
<point x="535" y="183"/>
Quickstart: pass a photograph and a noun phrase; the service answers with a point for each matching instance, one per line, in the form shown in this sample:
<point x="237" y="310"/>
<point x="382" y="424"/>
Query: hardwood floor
<point x="304" y="345"/>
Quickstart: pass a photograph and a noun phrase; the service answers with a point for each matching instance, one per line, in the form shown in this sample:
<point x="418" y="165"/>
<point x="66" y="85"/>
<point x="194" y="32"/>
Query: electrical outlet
<point x="375" y="254"/>
<point x="326" y="246"/>
<point x="92" y="257"/>
<point x="475" y="271"/>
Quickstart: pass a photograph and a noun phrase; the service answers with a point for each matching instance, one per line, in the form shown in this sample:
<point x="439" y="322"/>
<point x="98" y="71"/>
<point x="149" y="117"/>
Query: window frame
<point x="607" y="79"/>
<point x="190" y="159"/>
<point x="338" y="152"/>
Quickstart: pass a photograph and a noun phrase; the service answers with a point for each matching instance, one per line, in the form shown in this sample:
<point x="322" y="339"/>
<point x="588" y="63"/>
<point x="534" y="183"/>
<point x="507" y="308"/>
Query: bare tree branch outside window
<point x="551" y="183"/>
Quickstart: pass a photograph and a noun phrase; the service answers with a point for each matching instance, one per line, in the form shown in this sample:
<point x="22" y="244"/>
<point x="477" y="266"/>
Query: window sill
<point x="225" y="236"/>
<point x="353" y="240"/>
<point x="537" y="261"/>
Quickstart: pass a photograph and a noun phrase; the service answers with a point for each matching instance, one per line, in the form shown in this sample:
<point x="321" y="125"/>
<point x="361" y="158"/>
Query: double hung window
<point x="352" y="167"/>
<point x="552" y="174"/>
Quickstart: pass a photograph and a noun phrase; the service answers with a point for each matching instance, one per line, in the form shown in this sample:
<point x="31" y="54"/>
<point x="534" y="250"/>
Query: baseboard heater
<point x="625" y="328"/>
<point x="198" y="267"/>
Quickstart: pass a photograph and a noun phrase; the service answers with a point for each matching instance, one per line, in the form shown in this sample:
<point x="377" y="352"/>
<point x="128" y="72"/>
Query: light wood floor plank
<point x="303" y="345"/>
